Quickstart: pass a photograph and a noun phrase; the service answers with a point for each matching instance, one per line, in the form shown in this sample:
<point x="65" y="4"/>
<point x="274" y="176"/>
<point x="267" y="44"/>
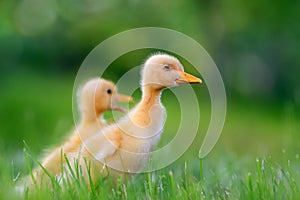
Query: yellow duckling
<point x="96" y="97"/>
<point x="125" y="145"/>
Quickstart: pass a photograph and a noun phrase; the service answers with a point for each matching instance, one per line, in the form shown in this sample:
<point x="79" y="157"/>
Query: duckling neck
<point x="90" y="115"/>
<point x="89" y="125"/>
<point x="151" y="95"/>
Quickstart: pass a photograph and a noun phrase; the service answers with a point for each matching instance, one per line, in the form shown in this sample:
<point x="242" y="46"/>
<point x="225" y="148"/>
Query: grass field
<point x="257" y="156"/>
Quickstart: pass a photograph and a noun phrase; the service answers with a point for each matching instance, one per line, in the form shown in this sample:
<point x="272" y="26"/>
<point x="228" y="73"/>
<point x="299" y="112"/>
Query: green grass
<point x="257" y="156"/>
<point x="224" y="178"/>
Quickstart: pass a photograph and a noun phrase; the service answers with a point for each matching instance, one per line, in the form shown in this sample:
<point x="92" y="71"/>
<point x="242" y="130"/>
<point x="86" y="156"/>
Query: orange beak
<point x="122" y="98"/>
<point x="187" y="78"/>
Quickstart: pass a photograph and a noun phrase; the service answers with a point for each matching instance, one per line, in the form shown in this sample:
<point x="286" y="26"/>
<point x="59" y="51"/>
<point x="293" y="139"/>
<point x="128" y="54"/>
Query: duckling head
<point x="162" y="70"/>
<point x="99" y="95"/>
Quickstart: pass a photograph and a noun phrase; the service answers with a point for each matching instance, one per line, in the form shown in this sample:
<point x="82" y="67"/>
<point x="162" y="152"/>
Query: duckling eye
<point x="108" y="91"/>
<point x="167" y="67"/>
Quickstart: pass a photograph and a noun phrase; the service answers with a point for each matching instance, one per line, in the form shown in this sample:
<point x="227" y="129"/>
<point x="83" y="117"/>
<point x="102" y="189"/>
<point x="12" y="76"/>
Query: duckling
<point x="96" y="96"/>
<point x="126" y="145"/>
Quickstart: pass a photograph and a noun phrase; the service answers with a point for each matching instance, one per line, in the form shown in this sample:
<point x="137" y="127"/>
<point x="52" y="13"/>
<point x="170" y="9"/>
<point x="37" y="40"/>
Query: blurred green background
<point x="255" y="45"/>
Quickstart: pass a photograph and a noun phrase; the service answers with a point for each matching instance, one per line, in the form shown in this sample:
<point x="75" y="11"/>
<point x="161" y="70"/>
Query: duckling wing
<point x="102" y="145"/>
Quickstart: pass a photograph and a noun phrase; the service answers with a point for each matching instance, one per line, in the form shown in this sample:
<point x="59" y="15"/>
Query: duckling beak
<point x="122" y="98"/>
<point x="187" y="78"/>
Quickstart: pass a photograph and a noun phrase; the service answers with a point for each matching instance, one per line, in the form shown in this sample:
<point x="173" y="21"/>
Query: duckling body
<point x="96" y="97"/>
<point x="126" y="145"/>
<point x="138" y="132"/>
